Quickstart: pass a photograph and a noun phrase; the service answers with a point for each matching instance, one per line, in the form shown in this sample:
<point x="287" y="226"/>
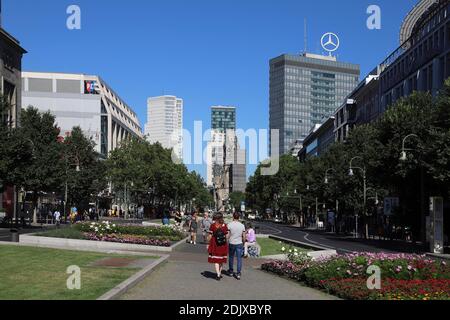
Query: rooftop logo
<point x="330" y="42"/>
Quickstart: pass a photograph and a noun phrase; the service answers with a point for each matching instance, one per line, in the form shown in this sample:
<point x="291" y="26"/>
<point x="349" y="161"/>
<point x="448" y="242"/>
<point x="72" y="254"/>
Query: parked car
<point x="251" y="216"/>
<point x="277" y="220"/>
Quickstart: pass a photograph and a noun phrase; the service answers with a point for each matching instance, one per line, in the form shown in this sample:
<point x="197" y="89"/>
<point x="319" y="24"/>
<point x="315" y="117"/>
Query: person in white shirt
<point x="57" y="216"/>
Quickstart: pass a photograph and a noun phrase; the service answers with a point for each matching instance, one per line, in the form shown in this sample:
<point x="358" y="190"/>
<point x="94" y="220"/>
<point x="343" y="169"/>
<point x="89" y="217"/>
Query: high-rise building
<point x="11" y="54"/>
<point x="85" y="101"/>
<point x="165" y="123"/>
<point x="226" y="167"/>
<point x="239" y="170"/>
<point x="305" y="90"/>
<point x="223" y="128"/>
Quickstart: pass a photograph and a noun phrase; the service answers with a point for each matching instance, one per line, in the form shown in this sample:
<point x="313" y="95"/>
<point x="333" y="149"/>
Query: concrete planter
<point x="87" y="245"/>
<point x="316" y="253"/>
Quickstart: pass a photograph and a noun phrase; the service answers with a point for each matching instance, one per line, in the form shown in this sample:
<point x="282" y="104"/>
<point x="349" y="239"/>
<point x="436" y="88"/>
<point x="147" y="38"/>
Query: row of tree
<point x="35" y="158"/>
<point x="376" y="149"/>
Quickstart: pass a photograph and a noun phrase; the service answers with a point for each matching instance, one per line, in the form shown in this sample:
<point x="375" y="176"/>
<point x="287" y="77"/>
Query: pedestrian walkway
<point x="188" y="276"/>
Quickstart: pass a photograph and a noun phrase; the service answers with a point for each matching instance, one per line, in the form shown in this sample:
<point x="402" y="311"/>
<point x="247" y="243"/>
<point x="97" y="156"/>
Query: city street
<point x="339" y="243"/>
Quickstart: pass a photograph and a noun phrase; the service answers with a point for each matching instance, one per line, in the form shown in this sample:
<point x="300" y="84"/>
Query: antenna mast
<point x="306" y="37"/>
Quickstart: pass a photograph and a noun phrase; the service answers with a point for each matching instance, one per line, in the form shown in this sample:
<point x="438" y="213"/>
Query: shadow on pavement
<point x="209" y="275"/>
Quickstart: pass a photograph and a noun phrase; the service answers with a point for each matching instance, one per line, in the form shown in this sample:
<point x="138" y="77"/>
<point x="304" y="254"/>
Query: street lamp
<point x="403" y="154"/>
<point x="351" y="174"/>
<point x="77" y="169"/>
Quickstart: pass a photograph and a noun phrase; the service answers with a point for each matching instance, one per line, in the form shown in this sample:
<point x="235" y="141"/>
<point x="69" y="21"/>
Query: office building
<point x="305" y="90"/>
<point x="239" y="170"/>
<point x="318" y="141"/>
<point x="223" y="129"/>
<point x="422" y="62"/>
<point x="11" y="54"/>
<point x="362" y="106"/>
<point x="85" y="101"/>
<point x="165" y="123"/>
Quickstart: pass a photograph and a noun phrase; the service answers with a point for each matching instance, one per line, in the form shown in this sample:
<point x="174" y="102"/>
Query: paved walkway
<point x="188" y="276"/>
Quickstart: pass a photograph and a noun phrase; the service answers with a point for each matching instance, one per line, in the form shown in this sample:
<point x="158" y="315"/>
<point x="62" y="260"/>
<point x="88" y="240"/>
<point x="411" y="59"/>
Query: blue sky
<point x="208" y="52"/>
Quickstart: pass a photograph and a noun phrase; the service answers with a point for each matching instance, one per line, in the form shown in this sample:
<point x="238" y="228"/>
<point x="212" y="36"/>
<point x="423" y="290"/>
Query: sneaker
<point x="218" y="278"/>
<point x="230" y="273"/>
<point x="238" y="276"/>
<point x="195" y="243"/>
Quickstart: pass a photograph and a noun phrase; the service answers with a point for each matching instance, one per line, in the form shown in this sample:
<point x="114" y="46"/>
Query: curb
<point x="179" y="243"/>
<point x="132" y="281"/>
<point x="438" y="256"/>
<point x="88" y="245"/>
<point x="303" y="244"/>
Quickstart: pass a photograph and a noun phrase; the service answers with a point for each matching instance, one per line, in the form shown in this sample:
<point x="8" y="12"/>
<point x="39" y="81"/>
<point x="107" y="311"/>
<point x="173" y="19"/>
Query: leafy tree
<point x="43" y="171"/>
<point x="85" y="172"/>
<point x="236" y="198"/>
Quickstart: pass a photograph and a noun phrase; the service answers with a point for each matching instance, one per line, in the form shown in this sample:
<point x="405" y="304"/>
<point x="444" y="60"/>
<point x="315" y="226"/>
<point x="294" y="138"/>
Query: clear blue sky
<point x="208" y="52"/>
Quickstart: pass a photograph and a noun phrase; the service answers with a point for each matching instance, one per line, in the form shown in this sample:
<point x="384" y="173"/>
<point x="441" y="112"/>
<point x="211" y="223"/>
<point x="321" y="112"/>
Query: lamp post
<point x="404" y="158"/>
<point x="337" y="201"/>
<point x="77" y="169"/>
<point x="364" y="172"/>
<point x="403" y="155"/>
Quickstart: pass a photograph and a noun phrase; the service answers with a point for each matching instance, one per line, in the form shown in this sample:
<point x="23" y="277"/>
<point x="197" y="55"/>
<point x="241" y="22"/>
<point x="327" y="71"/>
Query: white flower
<point x="296" y="250"/>
<point x="296" y="254"/>
<point x="290" y="251"/>
<point x="283" y="249"/>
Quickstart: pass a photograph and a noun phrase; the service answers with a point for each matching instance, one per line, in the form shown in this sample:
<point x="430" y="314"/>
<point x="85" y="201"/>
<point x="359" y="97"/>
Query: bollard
<point x="14" y="235"/>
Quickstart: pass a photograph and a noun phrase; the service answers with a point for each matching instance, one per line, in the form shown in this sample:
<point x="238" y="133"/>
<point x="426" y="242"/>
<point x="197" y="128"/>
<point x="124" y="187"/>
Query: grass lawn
<point x="40" y="274"/>
<point x="270" y="247"/>
<point x="63" y="233"/>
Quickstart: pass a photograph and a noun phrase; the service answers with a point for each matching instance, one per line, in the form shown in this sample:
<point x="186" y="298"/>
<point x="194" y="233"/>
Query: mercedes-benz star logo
<point x="330" y="42"/>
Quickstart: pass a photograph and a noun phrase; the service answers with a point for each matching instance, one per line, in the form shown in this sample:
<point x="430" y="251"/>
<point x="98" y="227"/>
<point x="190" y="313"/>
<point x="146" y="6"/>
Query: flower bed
<point x="391" y="289"/>
<point x="130" y="239"/>
<point x="161" y="236"/>
<point x="403" y="276"/>
<point x="161" y="233"/>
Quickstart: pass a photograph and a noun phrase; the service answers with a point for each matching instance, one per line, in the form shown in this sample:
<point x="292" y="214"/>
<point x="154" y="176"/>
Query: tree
<point x="44" y="170"/>
<point x="84" y="171"/>
<point x="236" y="199"/>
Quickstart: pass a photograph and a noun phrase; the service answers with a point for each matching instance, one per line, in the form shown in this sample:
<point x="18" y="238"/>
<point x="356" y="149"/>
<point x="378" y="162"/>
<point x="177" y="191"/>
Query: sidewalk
<point x="188" y="276"/>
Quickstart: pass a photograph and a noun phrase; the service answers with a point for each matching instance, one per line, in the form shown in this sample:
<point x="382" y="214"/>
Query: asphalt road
<point x="339" y="243"/>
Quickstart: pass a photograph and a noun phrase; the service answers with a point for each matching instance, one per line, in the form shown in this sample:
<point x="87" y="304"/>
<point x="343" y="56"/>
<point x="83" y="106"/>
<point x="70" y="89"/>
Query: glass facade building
<point x="223" y="119"/>
<point x="305" y="90"/>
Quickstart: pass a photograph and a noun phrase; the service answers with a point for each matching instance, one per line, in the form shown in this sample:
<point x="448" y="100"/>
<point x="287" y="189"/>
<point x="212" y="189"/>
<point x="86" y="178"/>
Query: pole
<point x="317" y="211"/>
<point x="365" y="206"/>
<point x="356" y="225"/>
<point x="65" y="202"/>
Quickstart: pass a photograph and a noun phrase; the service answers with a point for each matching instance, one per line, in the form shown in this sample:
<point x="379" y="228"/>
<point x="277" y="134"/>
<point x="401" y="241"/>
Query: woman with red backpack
<point x="218" y="244"/>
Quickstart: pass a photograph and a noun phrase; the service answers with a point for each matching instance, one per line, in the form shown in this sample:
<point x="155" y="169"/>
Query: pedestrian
<point x="236" y="245"/>
<point x="250" y="239"/>
<point x="166" y="218"/>
<point x="206" y="225"/>
<point x="57" y="216"/>
<point x="218" y="246"/>
<point x="193" y="228"/>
